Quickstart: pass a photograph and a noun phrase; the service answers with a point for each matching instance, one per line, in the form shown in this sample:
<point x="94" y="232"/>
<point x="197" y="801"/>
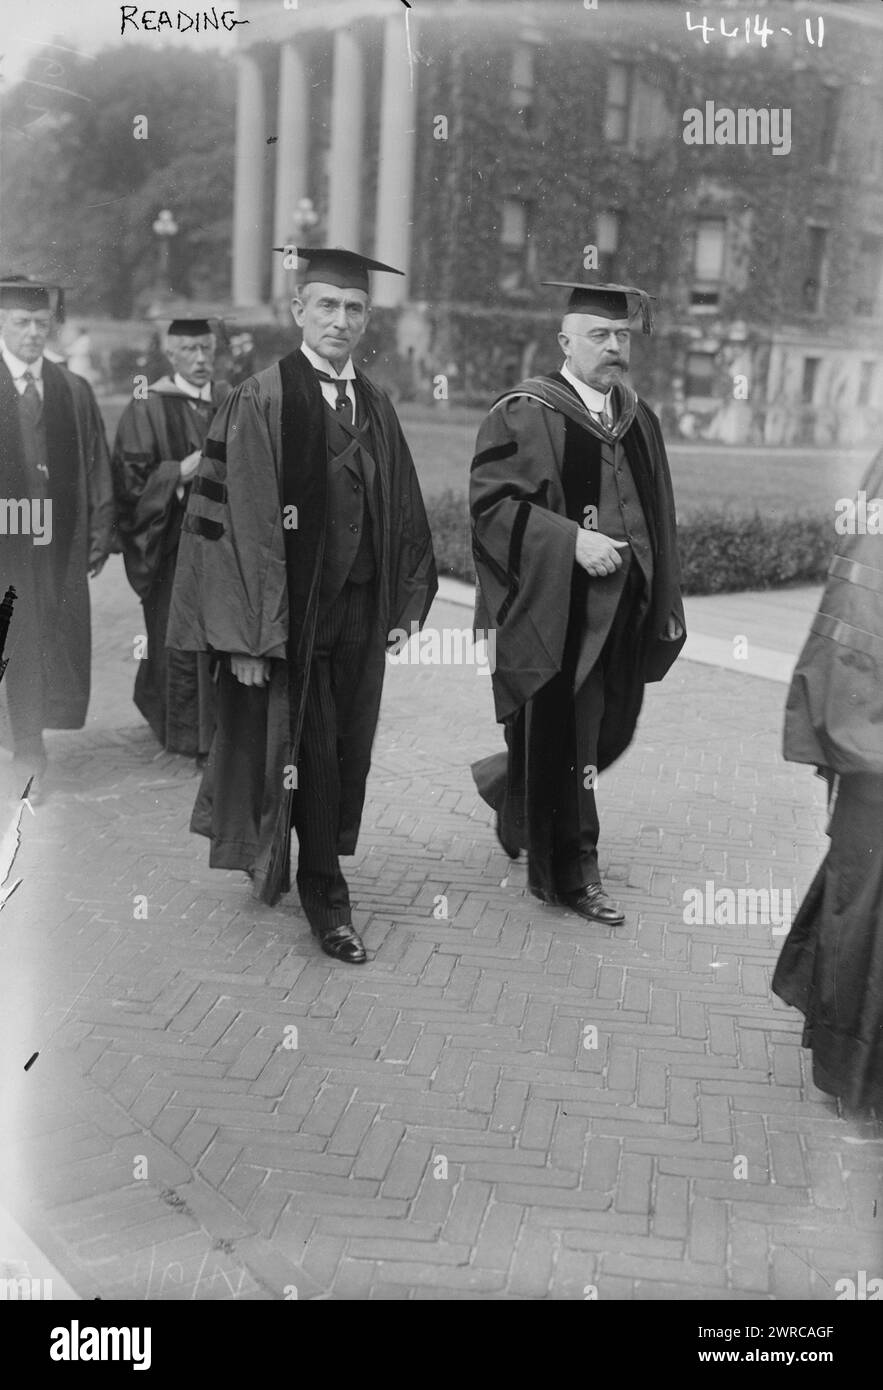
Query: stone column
<point x="292" y="151"/>
<point x="395" y="182"/>
<point x="347" y="133"/>
<point x="249" y="234"/>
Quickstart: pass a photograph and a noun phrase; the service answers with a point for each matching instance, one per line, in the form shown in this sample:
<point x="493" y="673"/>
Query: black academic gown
<point x="547" y="618"/>
<point x="49" y="648"/>
<point x="174" y="691"/>
<point x="248" y="581"/>
<point x="831" y="964"/>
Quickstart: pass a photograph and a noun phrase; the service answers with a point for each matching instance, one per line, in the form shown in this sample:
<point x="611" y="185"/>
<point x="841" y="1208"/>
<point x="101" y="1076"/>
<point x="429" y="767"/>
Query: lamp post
<point x="165" y="227"/>
<point x="303" y="219"/>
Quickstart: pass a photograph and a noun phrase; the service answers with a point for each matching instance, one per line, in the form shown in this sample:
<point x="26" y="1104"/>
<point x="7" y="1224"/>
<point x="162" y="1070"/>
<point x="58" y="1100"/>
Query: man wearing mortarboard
<point x="573" y="530"/>
<point x="53" y="465"/>
<point x="305" y="546"/>
<point x="158" y="446"/>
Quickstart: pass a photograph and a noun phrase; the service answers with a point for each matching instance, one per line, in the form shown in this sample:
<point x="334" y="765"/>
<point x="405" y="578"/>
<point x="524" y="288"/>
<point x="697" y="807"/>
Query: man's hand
<point x="673" y="629"/>
<point x="96" y="567"/>
<point x="190" y="464"/>
<point x="598" y="554"/>
<point x="250" y="670"/>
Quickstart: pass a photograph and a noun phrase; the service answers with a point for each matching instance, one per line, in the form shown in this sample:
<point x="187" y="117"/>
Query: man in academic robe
<point x="305" y="547"/>
<point x="57" y="524"/>
<point x="242" y="364"/>
<point x="831" y="964"/>
<point x="158" y="446"/>
<point x="573" y="530"/>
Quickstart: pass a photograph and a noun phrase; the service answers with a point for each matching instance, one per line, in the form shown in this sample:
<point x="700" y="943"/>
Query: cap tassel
<point x="646" y="313"/>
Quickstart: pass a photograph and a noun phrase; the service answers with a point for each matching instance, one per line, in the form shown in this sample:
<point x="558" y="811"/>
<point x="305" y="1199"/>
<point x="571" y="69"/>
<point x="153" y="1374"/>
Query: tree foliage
<point x="80" y="192"/>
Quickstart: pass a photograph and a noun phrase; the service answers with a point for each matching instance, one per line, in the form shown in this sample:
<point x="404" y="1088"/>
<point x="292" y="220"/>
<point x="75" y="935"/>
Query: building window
<point x="831" y="104"/>
<point x="699" y="375"/>
<point x="516" y="244"/>
<point x="865" y="383"/>
<point x="814" y="284"/>
<point x="708" y="262"/>
<point x="869" y="273"/>
<point x="523" y="80"/>
<point x="810" y="375"/>
<point x="618" y="104"/>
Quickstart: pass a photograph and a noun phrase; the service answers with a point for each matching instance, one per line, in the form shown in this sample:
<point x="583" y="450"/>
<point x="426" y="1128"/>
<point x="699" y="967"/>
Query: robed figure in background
<point x="157" y="449"/>
<point x="305" y="546"/>
<point x="831" y="964"/>
<point x="242" y="357"/>
<point x="573" y="529"/>
<point x="55" y="475"/>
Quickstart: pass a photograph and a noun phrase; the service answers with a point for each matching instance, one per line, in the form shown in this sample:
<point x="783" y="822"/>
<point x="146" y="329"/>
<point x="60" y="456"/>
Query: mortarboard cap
<point x="189" y="328"/>
<point x="23" y="292"/>
<point x="331" y="265"/>
<point x="607" y="301"/>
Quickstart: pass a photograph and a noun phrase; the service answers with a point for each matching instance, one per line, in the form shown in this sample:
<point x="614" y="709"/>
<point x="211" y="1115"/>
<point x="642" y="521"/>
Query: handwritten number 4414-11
<point x="759" y="30"/>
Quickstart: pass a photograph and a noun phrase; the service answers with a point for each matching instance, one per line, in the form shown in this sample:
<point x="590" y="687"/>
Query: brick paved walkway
<point x="505" y="1102"/>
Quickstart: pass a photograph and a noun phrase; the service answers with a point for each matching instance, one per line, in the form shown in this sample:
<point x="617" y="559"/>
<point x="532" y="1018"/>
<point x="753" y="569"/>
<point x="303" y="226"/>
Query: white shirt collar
<point x="346" y="373"/>
<point x="18" y="368"/>
<point x="593" y="400"/>
<point x="198" y="393"/>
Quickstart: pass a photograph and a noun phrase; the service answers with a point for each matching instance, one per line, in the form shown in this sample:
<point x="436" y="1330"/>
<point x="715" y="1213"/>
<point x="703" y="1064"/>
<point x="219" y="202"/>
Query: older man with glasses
<point x="158" y="446"/>
<point x="576" y="559"/>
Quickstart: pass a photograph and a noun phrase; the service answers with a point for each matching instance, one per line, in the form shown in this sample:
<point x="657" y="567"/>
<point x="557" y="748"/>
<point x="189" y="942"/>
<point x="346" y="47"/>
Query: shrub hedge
<point x="721" y="552"/>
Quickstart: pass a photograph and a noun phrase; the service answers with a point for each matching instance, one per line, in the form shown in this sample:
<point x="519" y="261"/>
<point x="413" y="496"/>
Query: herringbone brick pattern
<point x="505" y="1102"/>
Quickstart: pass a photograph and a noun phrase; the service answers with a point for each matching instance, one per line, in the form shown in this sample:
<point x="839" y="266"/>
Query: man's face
<point x="333" y="320"/>
<point x="241" y="345"/>
<point x="192" y="358"/>
<point x="26" y="332"/>
<point x="596" y="349"/>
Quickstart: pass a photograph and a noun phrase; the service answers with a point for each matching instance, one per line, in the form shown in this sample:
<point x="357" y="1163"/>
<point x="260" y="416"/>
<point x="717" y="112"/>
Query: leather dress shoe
<point x="592" y="902"/>
<point x="343" y="943"/>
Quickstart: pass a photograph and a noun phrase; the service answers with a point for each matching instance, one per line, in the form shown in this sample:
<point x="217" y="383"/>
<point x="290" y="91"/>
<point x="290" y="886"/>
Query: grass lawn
<point x="777" y="482"/>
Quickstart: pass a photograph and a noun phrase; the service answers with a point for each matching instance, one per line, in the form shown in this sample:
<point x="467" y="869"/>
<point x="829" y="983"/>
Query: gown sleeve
<point x="414" y="581"/>
<point x="523" y="548"/>
<point x="99" y="484"/>
<point x="230" y="592"/>
<point x="144" y="484"/>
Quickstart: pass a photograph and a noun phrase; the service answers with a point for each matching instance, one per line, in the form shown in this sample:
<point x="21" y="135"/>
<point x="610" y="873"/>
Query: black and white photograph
<point x="441" y="663"/>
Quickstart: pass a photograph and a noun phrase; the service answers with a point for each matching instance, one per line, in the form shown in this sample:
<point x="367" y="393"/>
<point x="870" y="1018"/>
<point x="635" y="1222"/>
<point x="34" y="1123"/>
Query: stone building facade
<point x="484" y="146"/>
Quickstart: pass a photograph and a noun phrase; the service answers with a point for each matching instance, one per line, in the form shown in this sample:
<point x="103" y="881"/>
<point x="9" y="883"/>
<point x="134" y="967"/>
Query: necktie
<point x="31" y="397"/>
<point x="343" y="404"/>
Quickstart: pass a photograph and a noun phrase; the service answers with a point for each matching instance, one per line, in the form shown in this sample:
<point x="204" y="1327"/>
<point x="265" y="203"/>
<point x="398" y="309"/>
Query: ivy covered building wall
<point x="548" y="142"/>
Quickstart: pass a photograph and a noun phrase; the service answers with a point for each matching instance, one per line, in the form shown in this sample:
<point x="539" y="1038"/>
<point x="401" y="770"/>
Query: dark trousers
<point x="569" y="735"/>
<point x="340" y="719"/>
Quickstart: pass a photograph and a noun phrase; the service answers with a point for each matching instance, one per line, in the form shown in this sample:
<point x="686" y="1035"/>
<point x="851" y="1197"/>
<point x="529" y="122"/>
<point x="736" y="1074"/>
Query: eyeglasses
<point x="43" y="323"/>
<point x="193" y="349"/>
<point x="599" y="336"/>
